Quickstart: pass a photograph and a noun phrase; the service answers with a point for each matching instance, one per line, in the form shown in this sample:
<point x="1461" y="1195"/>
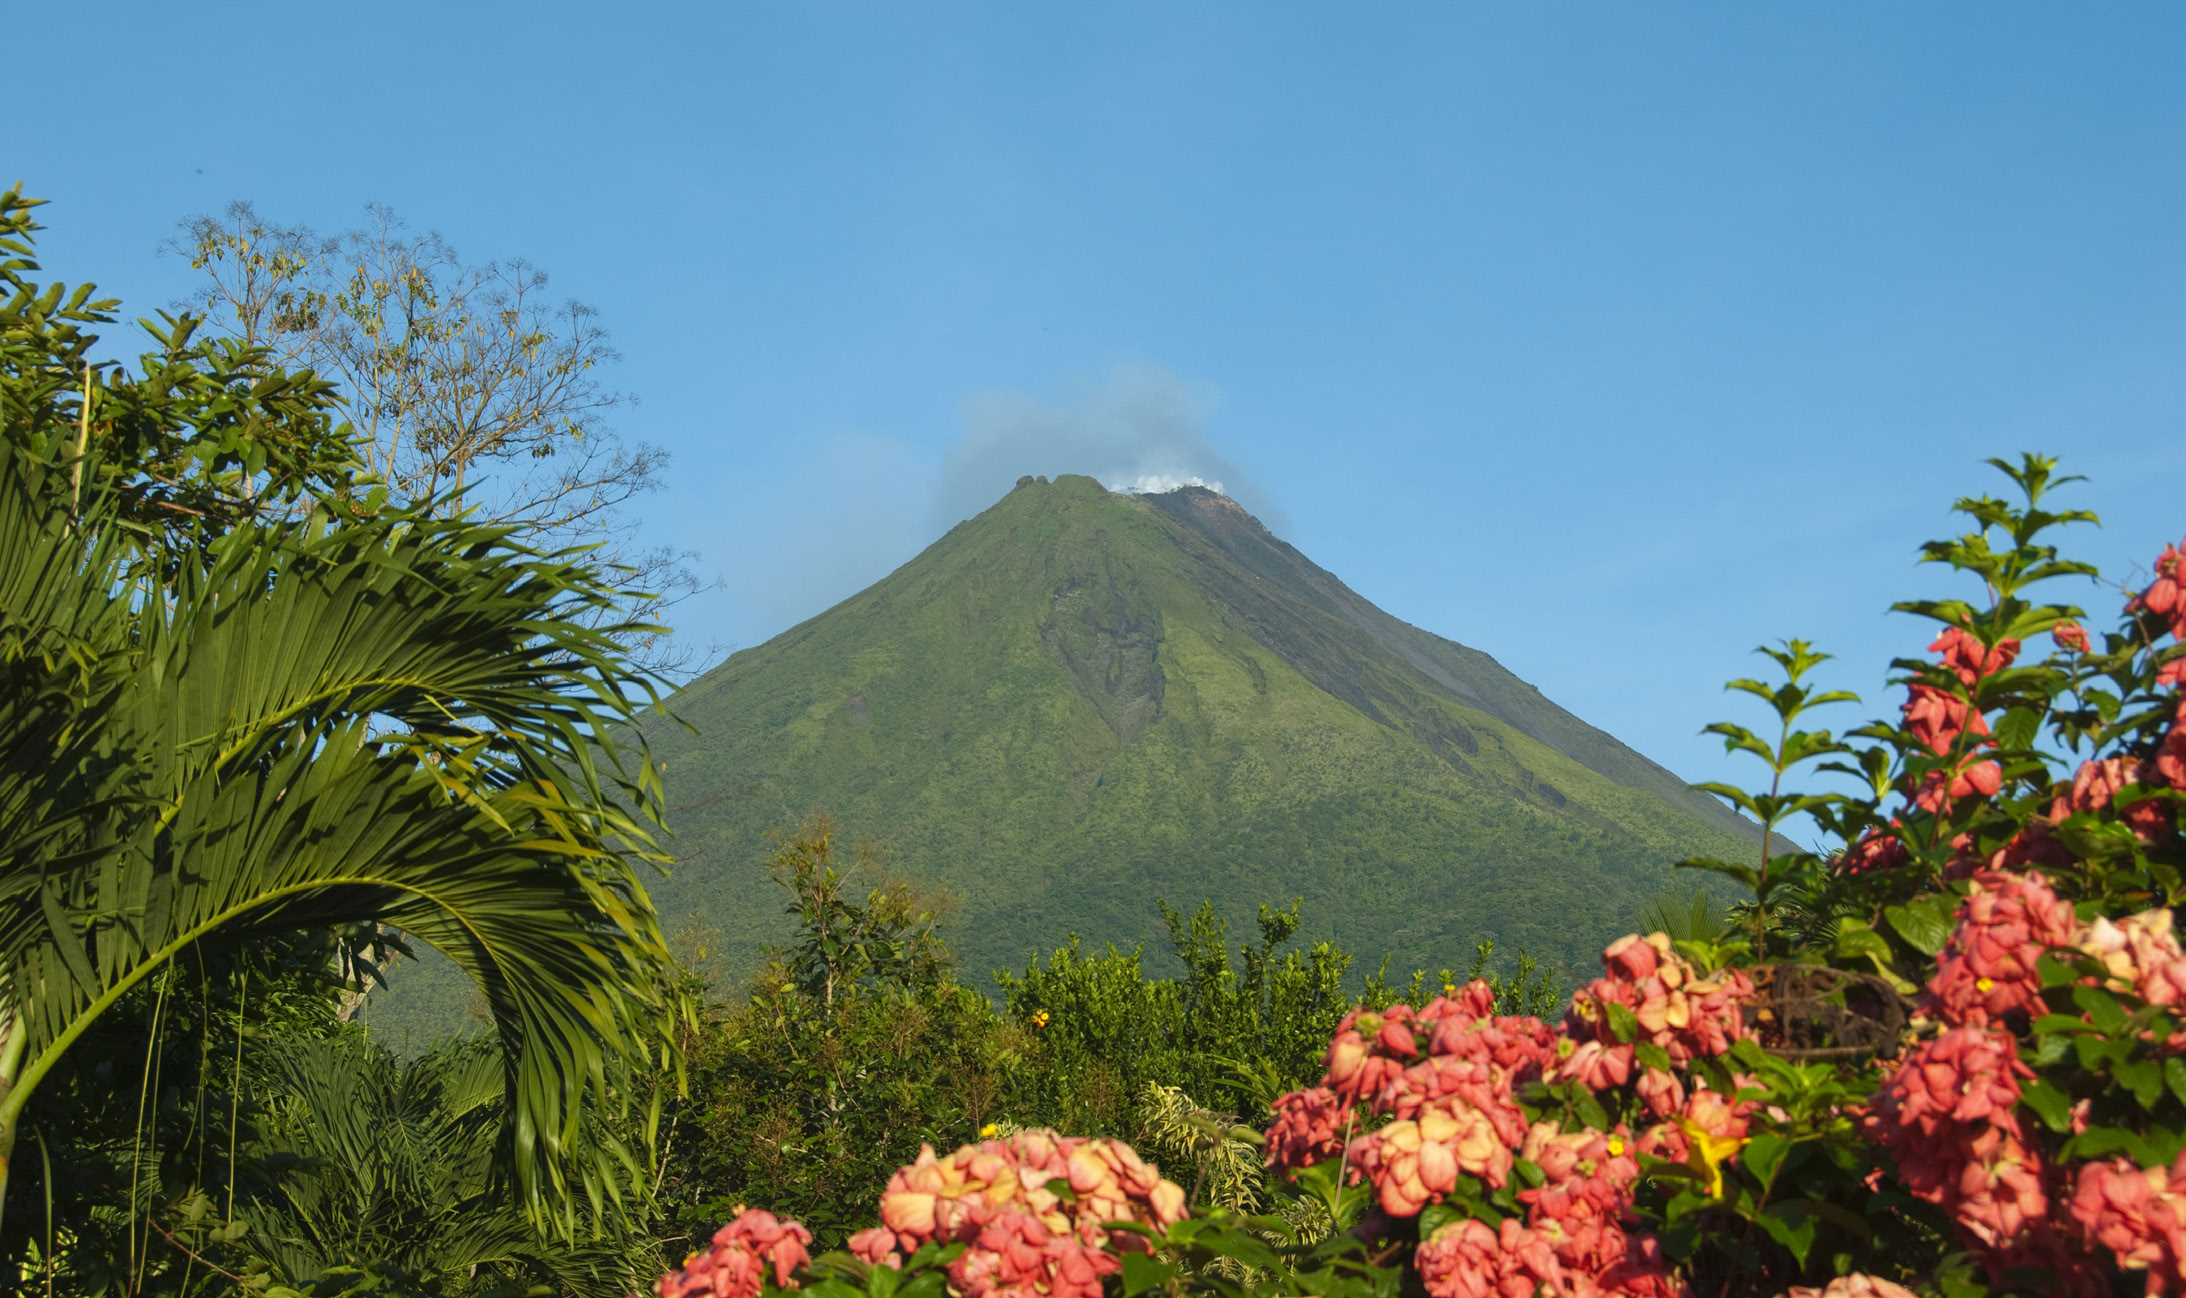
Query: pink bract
<point x="736" y="1264"/>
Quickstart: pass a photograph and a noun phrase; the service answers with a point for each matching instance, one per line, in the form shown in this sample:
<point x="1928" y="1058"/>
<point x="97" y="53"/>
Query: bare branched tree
<point x="464" y="381"/>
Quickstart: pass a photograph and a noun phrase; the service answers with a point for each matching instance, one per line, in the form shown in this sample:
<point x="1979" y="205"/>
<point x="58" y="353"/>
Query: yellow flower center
<point x="1616" y="1146"/>
<point x="1983" y="985"/>
<point x="989" y="1130"/>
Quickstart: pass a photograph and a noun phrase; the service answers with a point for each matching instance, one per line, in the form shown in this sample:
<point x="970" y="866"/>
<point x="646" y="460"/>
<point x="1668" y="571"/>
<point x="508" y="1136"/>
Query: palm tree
<point x="391" y="1165"/>
<point x="394" y="724"/>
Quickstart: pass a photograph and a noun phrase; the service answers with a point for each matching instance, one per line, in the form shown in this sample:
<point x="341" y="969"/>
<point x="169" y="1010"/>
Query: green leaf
<point x="1856" y="940"/>
<point x="1622" y="1022"/>
<point x="2053" y="1105"/>
<point x="1743" y="873"/>
<point x="1437" y="1215"/>
<point x="2101" y="1007"/>
<point x="2174" y="1076"/>
<point x="1238" y="1244"/>
<point x="1653" y="1056"/>
<point x="2098" y="1141"/>
<point x="1140" y="1273"/>
<point x="1763" y="1155"/>
<point x="2143" y="1077"/>
<point x="1791" y="1225"/>
<point x="2018" y="728"/>
<point x="1925" y="922"/>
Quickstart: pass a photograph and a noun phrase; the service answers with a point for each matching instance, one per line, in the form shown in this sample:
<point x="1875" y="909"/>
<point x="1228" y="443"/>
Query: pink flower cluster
<point x="2170" y="759"/>
<point x="1444" y="1073"/>
<point x="2141" y="955"/>
<point x="1874" y="850"/>
<point x="1948" y="1117"/>
<point x="2139" y="1214"/>
<point x="1024" y="1238"/>
<point x="1987" y="969"/>
<point x="1678" y="1010"/>
<point x="2097" y="784"/>
<point x="1857" y="1285"/>
<point x="1572" y="1240"/>
<point x="1444" y="1077"/>
<point x="2166" y="595"/>
<point x="742" y="1253"/>
<point x="1949" y="1114"/>
<point x="1940" y="718"/>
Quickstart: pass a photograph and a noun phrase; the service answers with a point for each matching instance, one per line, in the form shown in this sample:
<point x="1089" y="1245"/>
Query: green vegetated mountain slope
<point x="1082" y="701"/>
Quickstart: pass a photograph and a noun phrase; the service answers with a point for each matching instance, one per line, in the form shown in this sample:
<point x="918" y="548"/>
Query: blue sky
<point x="1611" y="339"/>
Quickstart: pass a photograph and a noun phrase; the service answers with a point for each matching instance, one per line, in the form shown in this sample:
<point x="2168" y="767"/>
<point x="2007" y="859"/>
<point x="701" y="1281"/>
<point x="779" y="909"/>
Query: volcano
<point x="1082" y="702"/>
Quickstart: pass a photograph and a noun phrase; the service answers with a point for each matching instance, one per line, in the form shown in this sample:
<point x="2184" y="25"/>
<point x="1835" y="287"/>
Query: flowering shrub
<point x="1034" y="1211"/>
<point x="1947" y="1057"/>
<point x="744" y="1255"/>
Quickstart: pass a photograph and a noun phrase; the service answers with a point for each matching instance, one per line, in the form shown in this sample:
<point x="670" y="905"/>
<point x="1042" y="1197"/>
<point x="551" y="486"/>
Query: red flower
<point x="1857" y="1285"/>
<point x="954" y="1199"/>
<point x="1016" y="1255"/>
<point x="736" y="1264"/>
<point x="2166" y="595"/>
<point x="1465" y="1259"/>
<point x="2170" y="760"/>
<point x="1878" y="850"/>
<point x="1309" y="1127"/>
<point x="876" y="1246"/>
<point x="1969" y="659"/>
<point x="2069" y="635"/>
<point x="2096" y="786"/>
<point x="2005" y="924"/>
<point x="1937" y="717"/>
<point x="1687" y="1015"/>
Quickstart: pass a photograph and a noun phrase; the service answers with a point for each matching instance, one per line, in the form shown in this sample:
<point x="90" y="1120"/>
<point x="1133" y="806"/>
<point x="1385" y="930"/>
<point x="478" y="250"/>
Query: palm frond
<point x="401" y="720"/>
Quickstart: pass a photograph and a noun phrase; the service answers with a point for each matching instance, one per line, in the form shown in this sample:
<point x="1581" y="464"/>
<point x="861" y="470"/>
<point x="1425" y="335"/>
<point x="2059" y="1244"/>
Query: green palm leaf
<point x="397" y="720"/>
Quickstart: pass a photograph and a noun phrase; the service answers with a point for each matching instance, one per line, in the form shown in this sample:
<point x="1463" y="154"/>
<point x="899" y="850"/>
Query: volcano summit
<point x="1081" y="701"/>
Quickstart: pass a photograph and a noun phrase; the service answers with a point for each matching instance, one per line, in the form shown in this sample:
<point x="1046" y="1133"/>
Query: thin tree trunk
<point x="11" y="1065"/>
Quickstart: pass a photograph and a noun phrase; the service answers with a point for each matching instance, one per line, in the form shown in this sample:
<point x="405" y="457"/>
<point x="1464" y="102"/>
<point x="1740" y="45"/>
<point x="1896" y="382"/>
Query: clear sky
<point x="1612" y="339"/>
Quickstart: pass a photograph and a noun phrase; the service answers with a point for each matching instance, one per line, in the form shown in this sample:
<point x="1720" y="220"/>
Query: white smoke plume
<point x="1144" y="430"/>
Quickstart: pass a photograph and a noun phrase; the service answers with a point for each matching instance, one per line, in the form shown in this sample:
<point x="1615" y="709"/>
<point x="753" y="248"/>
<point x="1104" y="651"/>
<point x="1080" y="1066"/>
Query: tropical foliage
<point x="1941" y="1055"/>
<point x="264" y="727"/>
<point x="243" y="697"/>
<point x="858" y="1044"/>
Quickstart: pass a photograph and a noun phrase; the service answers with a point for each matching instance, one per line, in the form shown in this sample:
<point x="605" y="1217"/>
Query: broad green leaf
<point x="1763" y="1155"/>
<point x="2143" y="1077"/>
<point x="1791" y="1225"/>
<point x="1924" y="922"/>
<point x="1140" y="1273"/>
<point x="2101" y="1007"/>
<point x="2053" y="1105"/>
<point x="1856" y="940"/>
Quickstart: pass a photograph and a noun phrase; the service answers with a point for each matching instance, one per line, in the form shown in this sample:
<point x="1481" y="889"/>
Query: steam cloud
<point x="1144" y="430"/>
